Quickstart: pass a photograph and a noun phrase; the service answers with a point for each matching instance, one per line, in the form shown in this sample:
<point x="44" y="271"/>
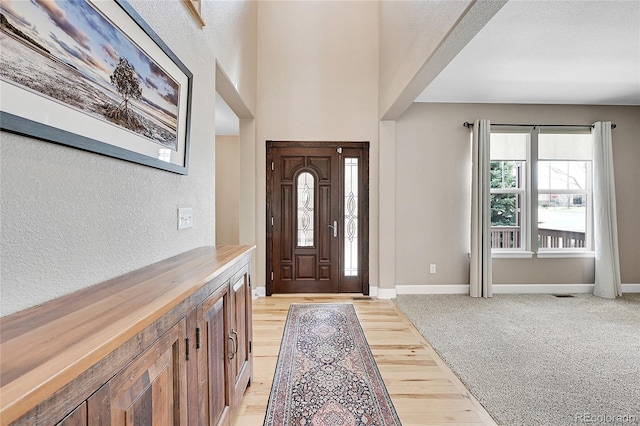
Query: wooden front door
<point x="317" y="228"/>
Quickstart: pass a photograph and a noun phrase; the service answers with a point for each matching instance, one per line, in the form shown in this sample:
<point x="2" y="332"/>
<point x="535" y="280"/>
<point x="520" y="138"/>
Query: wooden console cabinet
<point x="170" y="344"/>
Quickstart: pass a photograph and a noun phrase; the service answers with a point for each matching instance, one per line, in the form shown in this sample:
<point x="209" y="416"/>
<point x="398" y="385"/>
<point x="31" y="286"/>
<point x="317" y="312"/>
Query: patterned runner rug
<point x="326" y="374"/>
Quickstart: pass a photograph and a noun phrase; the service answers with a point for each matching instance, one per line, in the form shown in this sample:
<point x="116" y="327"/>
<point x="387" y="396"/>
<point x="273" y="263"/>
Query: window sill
<point x="553" y="254"/>
<point x="546" y="254"/>
<point x="512" y="254"/>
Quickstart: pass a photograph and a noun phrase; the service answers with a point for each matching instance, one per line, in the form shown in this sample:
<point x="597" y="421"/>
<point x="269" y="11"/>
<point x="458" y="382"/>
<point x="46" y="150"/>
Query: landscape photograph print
<point x="67" y="51"/>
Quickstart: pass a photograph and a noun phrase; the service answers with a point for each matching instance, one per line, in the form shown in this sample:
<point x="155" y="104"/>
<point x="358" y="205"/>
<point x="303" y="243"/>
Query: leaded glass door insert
<point x="305" y="188"/>
<point x="351" y="178"/>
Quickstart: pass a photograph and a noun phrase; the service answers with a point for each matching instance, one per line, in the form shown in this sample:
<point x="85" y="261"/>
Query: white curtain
<point x="605" y="225"/>
<point x="480" y="273"/>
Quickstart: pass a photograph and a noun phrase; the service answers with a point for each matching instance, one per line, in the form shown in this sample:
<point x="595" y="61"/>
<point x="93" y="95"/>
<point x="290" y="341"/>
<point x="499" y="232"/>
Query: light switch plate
<point x="185" y="217"/>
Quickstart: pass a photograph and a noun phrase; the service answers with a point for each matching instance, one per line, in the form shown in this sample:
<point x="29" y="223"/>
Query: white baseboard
<point x="542" y="288"/>
<point x="390" y="293"/>
<point x="508" y="288"/>
<point x="630" y="288"/>
<point x="433" y="289"/>
<point x="259" y="292"/>
<point x="382" y="293"/>
<point x="555" y="288"/>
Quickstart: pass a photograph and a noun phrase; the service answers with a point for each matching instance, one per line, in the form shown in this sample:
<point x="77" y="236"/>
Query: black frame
<point x="23" y="126"/>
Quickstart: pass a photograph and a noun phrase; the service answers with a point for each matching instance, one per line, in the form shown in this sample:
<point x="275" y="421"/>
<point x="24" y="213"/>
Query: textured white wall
<point x="433" y="202"/>
<point x="318" y="81"/>
<point x="70" y="219"/>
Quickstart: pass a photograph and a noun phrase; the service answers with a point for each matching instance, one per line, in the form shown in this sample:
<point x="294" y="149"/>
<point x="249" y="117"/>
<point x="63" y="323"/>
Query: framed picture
<point x="93" y="75"/>
<point x="195" y="7"/>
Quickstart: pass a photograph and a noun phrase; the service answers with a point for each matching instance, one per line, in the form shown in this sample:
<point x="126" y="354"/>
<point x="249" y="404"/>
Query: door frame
<point x="363" y="207"/>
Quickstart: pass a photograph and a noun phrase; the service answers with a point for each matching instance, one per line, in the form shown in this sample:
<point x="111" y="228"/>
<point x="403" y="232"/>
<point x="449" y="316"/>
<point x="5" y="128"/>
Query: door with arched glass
<point x="317" y="221"/>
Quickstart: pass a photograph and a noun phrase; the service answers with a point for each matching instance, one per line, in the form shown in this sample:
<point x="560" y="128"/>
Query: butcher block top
<point x="45" y="347"/>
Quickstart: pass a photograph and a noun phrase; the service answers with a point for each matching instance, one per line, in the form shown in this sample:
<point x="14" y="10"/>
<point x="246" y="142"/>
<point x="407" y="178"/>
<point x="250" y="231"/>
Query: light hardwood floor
<point x="423" y="389"/>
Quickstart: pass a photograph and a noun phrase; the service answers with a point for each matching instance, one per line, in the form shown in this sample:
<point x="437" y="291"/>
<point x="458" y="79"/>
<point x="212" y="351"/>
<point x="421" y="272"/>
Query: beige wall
<point x="231" y="33"/>
<point x="70" y="219"/>
<point x="318" y="81"/>
<point x="432" y="199"/>
<point x="227" y="190"/>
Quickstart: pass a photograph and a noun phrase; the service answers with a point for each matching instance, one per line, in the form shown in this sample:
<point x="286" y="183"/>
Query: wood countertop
<point x="45" y="347"/>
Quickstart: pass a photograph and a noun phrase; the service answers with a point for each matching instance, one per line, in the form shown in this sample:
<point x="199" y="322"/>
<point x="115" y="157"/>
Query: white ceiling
<point x="548" y="52"/>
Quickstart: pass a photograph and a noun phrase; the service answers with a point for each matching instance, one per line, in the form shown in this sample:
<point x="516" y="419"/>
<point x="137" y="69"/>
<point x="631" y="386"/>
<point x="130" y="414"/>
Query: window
<point x="508" y="167"/>
<point x="564" y="190"/>
<point x="351" y="217"/>
<point x="552" y="166"/>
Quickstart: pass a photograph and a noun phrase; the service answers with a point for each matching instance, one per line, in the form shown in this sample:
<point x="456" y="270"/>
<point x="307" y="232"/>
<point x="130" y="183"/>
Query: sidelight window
<point x="351" y="217"/>
<point x="305" y="190"/>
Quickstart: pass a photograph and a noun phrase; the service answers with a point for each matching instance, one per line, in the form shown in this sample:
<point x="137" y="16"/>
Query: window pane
<point x="305" y="191"/>
<point x="505" y="221"/>
<point x="562" y="220"/>
<point x="351" y="217"/>
<point x="562" y="174"/>
<point x="506" y="174"/>
<point x="504" y="209"/>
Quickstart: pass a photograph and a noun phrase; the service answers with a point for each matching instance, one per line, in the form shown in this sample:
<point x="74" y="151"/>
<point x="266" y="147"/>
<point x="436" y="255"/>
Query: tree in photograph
<point x="125" y="79"/>
<point x="503" y="206"/>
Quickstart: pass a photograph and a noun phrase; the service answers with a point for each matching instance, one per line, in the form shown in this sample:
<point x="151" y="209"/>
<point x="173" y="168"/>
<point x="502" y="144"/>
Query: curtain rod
<point x="469" y="125"/>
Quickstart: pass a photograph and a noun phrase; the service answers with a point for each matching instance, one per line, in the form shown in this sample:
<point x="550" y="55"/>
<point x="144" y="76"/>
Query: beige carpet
<point x="539" y="359"/>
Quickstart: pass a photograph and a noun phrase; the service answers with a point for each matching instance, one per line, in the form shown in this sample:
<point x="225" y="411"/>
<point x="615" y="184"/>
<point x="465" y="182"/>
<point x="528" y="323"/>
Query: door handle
<point x="335" y="228"/>
<point x="235" y="333"/>
<point x="233" y="352"/>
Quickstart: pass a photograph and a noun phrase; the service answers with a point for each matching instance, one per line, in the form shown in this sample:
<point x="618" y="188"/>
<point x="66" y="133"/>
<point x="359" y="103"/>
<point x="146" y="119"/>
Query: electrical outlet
<point x="432" y="268"/>
<point x="185" y="217"/>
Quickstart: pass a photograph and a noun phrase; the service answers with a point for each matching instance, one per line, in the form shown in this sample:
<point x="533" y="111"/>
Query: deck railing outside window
<point x="509" y="236"/>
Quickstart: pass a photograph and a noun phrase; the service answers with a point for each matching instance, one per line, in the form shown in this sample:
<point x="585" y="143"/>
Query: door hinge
<point x="198" y="338"/>
<point x="271" y="220"/>
<point x="271" y="275"/>
<point x="187" y="345"/>
<point x="273" y="166"/>
<point x="250" y="346"/>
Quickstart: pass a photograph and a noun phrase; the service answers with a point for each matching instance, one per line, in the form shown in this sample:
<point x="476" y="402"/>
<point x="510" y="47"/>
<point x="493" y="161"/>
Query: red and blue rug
<point x="326" y="374"/>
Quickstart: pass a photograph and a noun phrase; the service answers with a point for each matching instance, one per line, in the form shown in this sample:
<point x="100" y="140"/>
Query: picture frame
<point x="94" y="76"/>
<point x="195" y="7"/>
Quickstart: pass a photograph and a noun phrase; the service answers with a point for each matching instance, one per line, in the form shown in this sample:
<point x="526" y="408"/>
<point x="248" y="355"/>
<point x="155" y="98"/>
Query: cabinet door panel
<point x="241" y="330"/>
<point x="77" y="417"/>
<point x="214" y="364"/>
<point x="151" y="390"/>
